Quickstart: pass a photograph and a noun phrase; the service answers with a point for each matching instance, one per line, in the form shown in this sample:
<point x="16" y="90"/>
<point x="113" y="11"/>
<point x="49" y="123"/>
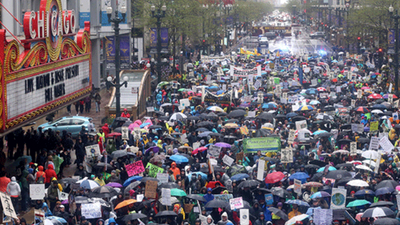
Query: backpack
<point x="41" y="179"/>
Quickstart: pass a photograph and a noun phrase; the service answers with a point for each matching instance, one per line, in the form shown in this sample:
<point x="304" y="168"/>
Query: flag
<point x="301" y="75"/>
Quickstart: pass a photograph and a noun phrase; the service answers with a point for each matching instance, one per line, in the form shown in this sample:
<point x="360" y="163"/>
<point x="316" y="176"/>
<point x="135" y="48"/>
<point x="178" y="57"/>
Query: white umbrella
<point x="370" y="154"/>
<point x="358" y="183"/>
<point x="369" y="162"/>
<point x="297" y="218"/>
<point x="363" y="167"/>
<point x="178" y="116"/>
<point x="378" y="212"/>
<point x="268" y="125"/>
<point x="89" y="184"/>
<point x="376" y="111"/>
<point x="80" y="181"/>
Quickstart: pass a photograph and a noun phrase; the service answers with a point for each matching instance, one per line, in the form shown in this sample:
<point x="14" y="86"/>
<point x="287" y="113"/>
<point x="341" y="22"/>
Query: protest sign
<point x="236" y="203"/>
<point x="338" y="199"/>
<point x="227" y="160"/>
<point x="162" y="177"/>
<point x="395" y="115"/>
<point x="92" y="150"/>
<point x="353" y="103"/>
<point x="196" y="145"/>
<point x="374" y="143"/>
<point x="251" y="114"/>
<point x="244" y="217"/>
<point x="314" y="82"/>
<point x="244" y="130"/>
<point x="390" y="98"/>
<point x="398" y="201"/>
<point x="378" y="163"/>
<point x="323" y="216"/>
<point x="213" y="151"/>
<point x="223" y="197"/>
<point x="166" y="196"/>
<point x="360" y="128"/>
<point x="287" y="155"/>
<point x="354" y="127"/>
<point x="140" y="197"/>
<point x="38" y="215"/>
<point x="260" y="170"/>
<point x="91" y="210"/>
<point x="396" y="104"/>
<point x="150" y="109"/>
<point x="359" y="93"/>
<point x="36" y="191"/>
<point x="153" y="170"/>
<point x="169" y="147"/>
<point x="137" y="133"/>
<point x="353" y="148"/>
<point x="184" y="102"/>
<point x="62" y="195"/>
<point x="297" y="186"/>
<point x="151" y="189"/>
<point x="134" y="168"/>
<point x="269" y="199"/>
<point x="374" y="126"/>
<point x="292" y="133"/>
<point x="263" y="144"/>
<point x="8" y="208"/>
<point x="302" y="124"/>
<point x="292" y="99"/>
<point x="386" y="145"/>
<point x="338" y="89"/>
<point x="125" y="133"/>
<point x="239" y="156"/>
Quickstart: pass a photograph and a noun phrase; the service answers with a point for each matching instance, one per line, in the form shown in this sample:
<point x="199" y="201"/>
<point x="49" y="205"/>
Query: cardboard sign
<point x="302" y="124"/>
<point x="260" y="169"/>
<point x="154" y="170"/>
<point x="239" y="156"/>
<point x="188" y="208"/>
<point x="374" y="143"/>
<point x="227" y="160"/>
<point x="353" y="148"/>
<point x="166" y="196"/>
<point x="36" y="191"/>
<point x="338" y="199"/>
<point x="236" y="203"/>
<point x="287" y="155"/>
<point x="244" y="217"/>
<point x="162" y="177"/>
<point x="124" y="133"/>
<point x="91" y="211"/>
<point x="92" y="150"/>
<point x="151" y="189"/>
<point x="8" y="208"/>
<point x="297" y="186"/>
<point x="269" y="199"/>
<point x="134" y="168"/>
<point x="292" y="133"/>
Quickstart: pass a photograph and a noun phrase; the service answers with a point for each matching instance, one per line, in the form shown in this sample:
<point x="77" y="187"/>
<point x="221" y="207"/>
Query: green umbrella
<point x="163" y="83"/>
<point x="358" y="202"/>
<point x="225" y="69"/>
<point x="177" y="192"/>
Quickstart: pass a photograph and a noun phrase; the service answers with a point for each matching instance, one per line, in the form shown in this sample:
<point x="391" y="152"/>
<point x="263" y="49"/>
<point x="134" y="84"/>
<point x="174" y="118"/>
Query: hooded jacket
<point x="212" y="221"/>
<point x="13" y="188"/>
<point x="50" y="173"/>
<point x="175" y="169"/>
<point x="99" y="220"/>
<point x="47" y="211"/>
<point x="112" y="220"/>
<point x="40" y="173"/>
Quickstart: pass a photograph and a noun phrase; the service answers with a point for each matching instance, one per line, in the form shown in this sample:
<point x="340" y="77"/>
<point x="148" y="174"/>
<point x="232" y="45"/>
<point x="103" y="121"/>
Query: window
<point x="65" y="122"/>
<point x="77" y="122"/>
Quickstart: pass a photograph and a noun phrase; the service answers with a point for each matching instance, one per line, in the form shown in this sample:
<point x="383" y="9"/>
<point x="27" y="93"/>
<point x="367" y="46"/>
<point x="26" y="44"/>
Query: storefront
<point x="48" y="70"/>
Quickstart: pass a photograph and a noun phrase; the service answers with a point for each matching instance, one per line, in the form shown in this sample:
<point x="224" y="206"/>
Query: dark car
<point x="318" y="34"/>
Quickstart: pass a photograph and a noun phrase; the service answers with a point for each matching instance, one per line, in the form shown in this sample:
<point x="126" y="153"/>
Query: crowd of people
<point x="207" y="153"/>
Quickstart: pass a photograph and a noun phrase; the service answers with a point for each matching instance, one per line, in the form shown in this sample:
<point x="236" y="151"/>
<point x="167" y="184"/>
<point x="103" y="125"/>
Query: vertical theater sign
<point x="49" y="69"/>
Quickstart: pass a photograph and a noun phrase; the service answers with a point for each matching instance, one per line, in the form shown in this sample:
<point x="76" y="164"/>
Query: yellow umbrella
<point x="231" y="125"/>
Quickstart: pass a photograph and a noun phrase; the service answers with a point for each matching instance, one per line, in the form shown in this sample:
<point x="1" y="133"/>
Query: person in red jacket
<point x="40" y="175"/>
<point x="175" y="169"/>
<point x="50" y="173"/>
<point x="4" y="181"/>
<point x="125" y="114"/>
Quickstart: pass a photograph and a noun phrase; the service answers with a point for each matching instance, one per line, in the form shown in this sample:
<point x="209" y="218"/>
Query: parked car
<point x="318" y="34"/>
<point x="72" y="124"/>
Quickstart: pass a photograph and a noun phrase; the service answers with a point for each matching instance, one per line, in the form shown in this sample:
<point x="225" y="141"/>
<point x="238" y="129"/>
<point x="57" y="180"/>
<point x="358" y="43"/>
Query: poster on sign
<point x="260" y="170"/>
<point x="151" y="189"/>
<point x="297" y="186"/>
<point x="150" y="109"/>
<point x="184" y="102"/>
<point x="227" y="160"/>
<point x="213" y="151"/>
<point x="287" y="155"/>
<point x="62" y="195"/>
<point x="374" y="143"/>
<point x="236" y="203"/>
<point x="390" y="98"/>
<point x="359" y="93"/>
<point x="396" y="104"/>
<point x="292" y="133"/>
<point x="323" y="216"/>
<point x="162" y="177"/>
<point x="91" y="211"/>
<point x="134" y="168"/>
<point x="8" y="208"/>
<point x="166" y="196"/>
<point x="124" y="133"/>
<point x="244" y="217"/>
<point x="302" y="124"/>
<point x="353" y="148"/>
<point x="36" y="191"/>
<point x="385" y="143"/>
<point x="338" y="199"/>
<point x="92" y="150"/>
<point x="154" y="170"/>
<point x="353" y="103"/>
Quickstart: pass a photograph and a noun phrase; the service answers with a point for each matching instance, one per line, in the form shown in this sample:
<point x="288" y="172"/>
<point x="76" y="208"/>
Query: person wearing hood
<point x="46" y="210"/>
<point x="50" y="173"/>
<point x="224" y="219"/>
<point x="25" y="189"/>
<point x="81" y="172"/>
<point x="112" y="221"/>
<point x="210" y="220"/>
<point x="52" y="194"/>
<point x="14" y="191"/>
<point x="100" y="222"/>
<point x="175" y="169"/>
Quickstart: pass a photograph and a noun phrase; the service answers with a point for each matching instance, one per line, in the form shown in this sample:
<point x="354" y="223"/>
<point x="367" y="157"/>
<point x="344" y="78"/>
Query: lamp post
<point x="294" y="13"/>
<point x="396" y="17"/>
<point x="160" y="14"/>
<point x="117" y="20"/>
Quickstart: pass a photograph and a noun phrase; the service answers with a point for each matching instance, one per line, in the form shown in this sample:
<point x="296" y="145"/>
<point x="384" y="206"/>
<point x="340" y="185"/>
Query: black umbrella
<point x="163" y="117"/>
<point x="325" y="134"/>
<point x="311" y="166"/>
<point x="386" y="221"/>
<point x="118" y="154"/>
<point x="237" y="113"/>
<point x="386" y="183"/>
<point x="212" y="115"/>
<point x="329" y="108"/>
<point x="344" y="141"/>
<point x="298" y="118"/>
<point x="344" y="165"/>
<point x="266" y="116"/>
<point x="133" y="216"/>
<point x="248" y="183"/>
<point x="103" y="192"/>
<point x="202" y="129"/>
<point x="159" y="113"/>
<point x="145" y="179"/>
<point x="131" y="186"/>
<point x="317" y="176"/>
<point x="196" y="197"/>
<point x="155" y="127"/>
<point x="338" y="174"/>
<point x="363" y="140"/>
<point x="166" y="213"/>
<point x="230" y="121"/>
<point x="343" y="181"/>
<point x="217" y="204"/>
<point x="218" y="190"/>
<point x="81" y="200"/>
<point x="193" y="118"/>
<point x="381" y="204"/>
<point x="377" y="212"/>
<point x="318" y="162"/>
<point x="278" y="191"/>
<point x="169" y="185"/>
<point x="279" y="213"/>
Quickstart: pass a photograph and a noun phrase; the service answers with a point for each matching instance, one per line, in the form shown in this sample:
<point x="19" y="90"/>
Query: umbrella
<point x="51" y="222"/>
<point x="377" y="212"/>
<point x="358" y="202"/>
<point x="237" y="113"/>
<point x="338" y="174"/>
<point x="384" y="190"/>
<point x="278" y="191"/>
<point x="103" y="192"/>
<point x="205" y="134"/>
<point x="299" y="176"/>
<point x="69" y="180"/>
<point x="330" y="168"/>
<point x="320" y="194"/>
<point x="166" y="213"/>
<point x="358" y="183"/>
<point x="274" y="177"/>
<point x="296" y="219"/>
<point x="201" y="129"/>
<point x="239" y="176"/>
<point x="248" y="183"/>
<point x="217" y="204"/>
<point x="133" y="216"/>
<point x="125" y="203"/>
<point x="266" y="116"/>
<point x="362" y="109"/>
<point x="215" y="109"/>
<point x="89" y="184"/>
<point x="56" y="218"/>
<point x="178" y="116"/>
<point x="313" y="184"/>
<point x="81" y="200"/>
<point x="386" y="221"/>
<point x="278" y="212"/>
<point x="114" y="185"/>
<point x="386" y="183"/>
<point x="365" y="192"/>
<point x="169" y="185"/>
<point x="178" y="192"/>
<point x="381" y="204"/>
<point x="179" y="159"/>
<point x="196" y="197"/>
<point x="145" y="179"/>
<point x="297" y="202"/>
<point x="114" y="134"/>
<point x="363" y="167"/>
<point x="118" y="154"/>
<point x="155" y="149"/>
<point x="370" y="154"/>
<point x="305" y="108"/>
<point x="130" y="179"/>
<point x="375" y="96"/>
<point x="222" y="145"/>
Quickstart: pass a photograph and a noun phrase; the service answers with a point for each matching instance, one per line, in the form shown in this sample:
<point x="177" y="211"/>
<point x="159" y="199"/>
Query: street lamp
<point x="396" y="48"/>
<point x="160" y="14"/>
<point x="117" y="20"/>
<point x="294" y="13"/>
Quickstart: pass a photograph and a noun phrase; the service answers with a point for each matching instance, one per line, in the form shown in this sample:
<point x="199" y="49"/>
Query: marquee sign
<point x="52" y="70"/>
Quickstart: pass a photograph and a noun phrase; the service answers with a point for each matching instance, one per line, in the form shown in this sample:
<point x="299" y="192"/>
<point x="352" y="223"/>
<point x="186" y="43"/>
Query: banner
<point x="124" y="51"/>
<point x="338" y="200"/>
<point x="104" y="16"/>
<point x="134" y="168"/>
<point x="264" y="144"/>
<point x="153" y="37"/>
<point x="154" y="170"/>
<point x="221" y="99"/>
<point x="239" y="72"/>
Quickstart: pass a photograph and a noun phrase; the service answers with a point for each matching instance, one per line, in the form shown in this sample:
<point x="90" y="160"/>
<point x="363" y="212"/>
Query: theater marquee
<point x="52" y="68"/>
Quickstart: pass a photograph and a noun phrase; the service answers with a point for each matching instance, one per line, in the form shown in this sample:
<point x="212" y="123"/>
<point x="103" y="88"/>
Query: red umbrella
<point x="211" y="184"/>
<point x="362" y="110"/>
<point x="274" y="177"/>
<point x="197" y="150"/>
<point x="114" y="134"/>
<point x="375" y="96"/>
<point x="334" y="80"/>
<point x="321" y="89"/>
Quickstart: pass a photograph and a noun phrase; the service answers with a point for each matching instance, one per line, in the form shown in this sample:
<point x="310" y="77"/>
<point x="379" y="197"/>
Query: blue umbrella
<point x="144" y="124"/>
<point x="320" y="194"/>
<point x="268" y="106"/>
<point x="213" y="87"/>
<point x="299" y="176"/>
<point x="203" y="175"/>
<point x="131" y="179"/>
<point x="220" y="92"/>
<point x="56" y="218"/>
<point x="239" y="176"/>
<point x="365" y="192"/>
<point x="179" y="159"/>
<point x="384" y="190"/>
<point x="297" y="202"/>
<point x="320" y="132"/>
<point x="331" y="168"/>
<point x="291" y="115"/>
